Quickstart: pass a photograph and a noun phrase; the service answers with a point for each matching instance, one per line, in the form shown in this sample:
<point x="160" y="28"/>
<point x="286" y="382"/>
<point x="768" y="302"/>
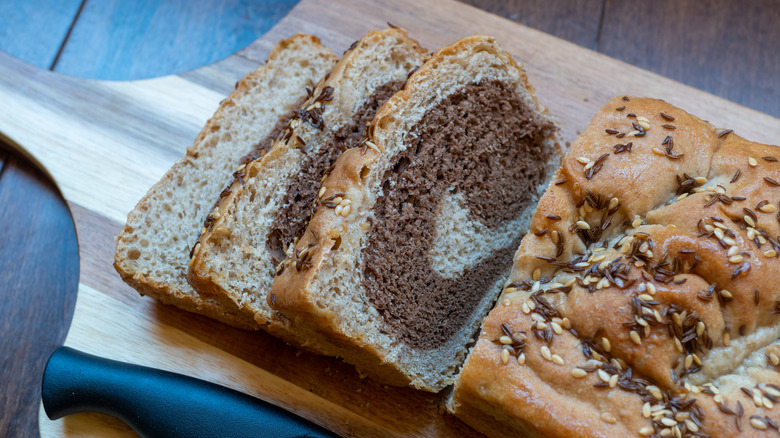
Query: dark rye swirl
<point x="268" y="205"/>
<point x="415" y="228"/>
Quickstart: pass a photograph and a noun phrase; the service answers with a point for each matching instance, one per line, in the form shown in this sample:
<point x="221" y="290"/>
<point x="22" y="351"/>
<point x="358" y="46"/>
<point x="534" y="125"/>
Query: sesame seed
<point x="583" y="160"/>
<point x="635" y="337"/>
<point x="768" y="208"/>
<point x="646" y="431"/>
<point x="758" y="423"/>
<point x="583" y="225"/>
<point x="700" y="180"/>
<point x="322" y="192"/>
<point x="678" y="345"/>
<point x="655" y="392"/>
<point x="526" y="309"/>
<point x="637" y="222"/>
<point x="646" y="410"/>
<point x="589" y="165"/>
<point x="726" y="339"/>
<point x="645" y="297"/>
<point x="606" y="345"/>
<point x="345" y="211"/>
<point x="668" y="422"/>
<point x="643" y="122"/>
<point x="772" y="390"/>
<point x="556" y="328"/>
<point x="736" y="259"/>
<point x="770" y="253"/>
<point x="657" y="151"/>
<point x="558" y="359"/>
<point x="609" y="418"/>
<point x="546" y="352"/>
<point x="749" y="220"/>
<point x="505" y="356"/>
<point x="506" y="340"/>
<point x="752" y="161"/>
<point x="732" y="250"/>
<point x="603" y="375"/>
<point x="338" y="210"/>
<point x="767" y="403"/>
<point x="775" y="361"/>
<point x="537" y="274"/>
<point x="521" y="359"/>
<point x="613" y="381"/>
<point x="578" y="373"/>
<point x="700" y="327"/>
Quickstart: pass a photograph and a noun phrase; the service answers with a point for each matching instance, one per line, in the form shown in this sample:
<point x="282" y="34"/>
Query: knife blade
<point x="158" y="403"/>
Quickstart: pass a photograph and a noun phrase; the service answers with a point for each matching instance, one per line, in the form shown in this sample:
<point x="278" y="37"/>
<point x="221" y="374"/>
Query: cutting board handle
<point x="158" y="403"/>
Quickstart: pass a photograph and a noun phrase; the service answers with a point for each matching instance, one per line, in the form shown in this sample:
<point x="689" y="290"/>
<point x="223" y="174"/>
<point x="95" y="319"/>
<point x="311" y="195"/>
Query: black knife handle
<point x="158" y="403"/>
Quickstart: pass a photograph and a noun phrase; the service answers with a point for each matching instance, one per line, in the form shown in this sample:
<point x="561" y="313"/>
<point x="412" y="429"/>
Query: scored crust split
<point x="152" y="249"/>
<point x="414" y="229"/>
<point x="267" y="206"/>
<point x="645" y="303"/>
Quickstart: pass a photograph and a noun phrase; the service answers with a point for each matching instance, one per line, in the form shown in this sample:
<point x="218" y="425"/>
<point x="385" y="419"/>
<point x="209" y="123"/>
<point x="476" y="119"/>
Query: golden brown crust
<point x="666" y="297"/>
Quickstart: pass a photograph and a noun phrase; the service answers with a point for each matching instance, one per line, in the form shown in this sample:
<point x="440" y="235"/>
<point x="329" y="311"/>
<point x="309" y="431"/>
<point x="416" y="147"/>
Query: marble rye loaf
<point x="267" y="206"/>
<point x="414" y="230"/>
<point x="645" y="302"/>
<point x="152" y="249"/>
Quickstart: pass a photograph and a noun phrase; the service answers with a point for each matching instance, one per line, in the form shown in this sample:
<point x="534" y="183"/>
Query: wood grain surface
<point x="106" y="143"/>
<point x="35" y="311"/>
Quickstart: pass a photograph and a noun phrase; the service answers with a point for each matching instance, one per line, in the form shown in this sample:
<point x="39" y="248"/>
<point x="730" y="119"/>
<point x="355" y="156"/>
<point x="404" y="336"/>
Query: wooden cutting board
<point x="106" y="143"/>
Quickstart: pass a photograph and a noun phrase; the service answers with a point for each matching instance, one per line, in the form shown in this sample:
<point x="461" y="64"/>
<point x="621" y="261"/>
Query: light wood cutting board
<point x="106" y="143"/>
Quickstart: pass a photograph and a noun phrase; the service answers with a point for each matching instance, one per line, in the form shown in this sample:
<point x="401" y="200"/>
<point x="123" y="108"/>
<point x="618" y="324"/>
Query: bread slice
<point x="414" y="230"/>
<point x="649" y="308"/>
<point x="152" y="249"/>
<point x="268" y="205"/>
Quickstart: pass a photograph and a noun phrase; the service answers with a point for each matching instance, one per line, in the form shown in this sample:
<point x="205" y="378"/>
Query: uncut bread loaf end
<point x="414" y="229"/>
<point x="268" y="205"/>
<point x="650" y="306"/>
<point x="152" y="249"/>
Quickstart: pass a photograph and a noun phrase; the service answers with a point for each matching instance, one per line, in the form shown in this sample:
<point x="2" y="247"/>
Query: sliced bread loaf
<point x="415" y="229"/>
<point x="151" y="253"/>
<point x="268" y="205"/>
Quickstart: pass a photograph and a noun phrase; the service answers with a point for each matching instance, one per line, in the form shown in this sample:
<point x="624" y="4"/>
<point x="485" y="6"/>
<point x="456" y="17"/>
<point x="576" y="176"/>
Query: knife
<point x="158" y="403"/>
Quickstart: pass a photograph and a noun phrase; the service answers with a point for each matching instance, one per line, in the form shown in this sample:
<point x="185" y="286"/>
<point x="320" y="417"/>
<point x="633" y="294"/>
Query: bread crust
<point x="354" y="178"/>
<point x="732" y="334"/>
<point x="145" y="279"/>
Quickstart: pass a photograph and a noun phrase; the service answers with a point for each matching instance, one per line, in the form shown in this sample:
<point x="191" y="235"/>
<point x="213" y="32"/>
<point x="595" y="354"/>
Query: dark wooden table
<point x="728" y="48"/>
